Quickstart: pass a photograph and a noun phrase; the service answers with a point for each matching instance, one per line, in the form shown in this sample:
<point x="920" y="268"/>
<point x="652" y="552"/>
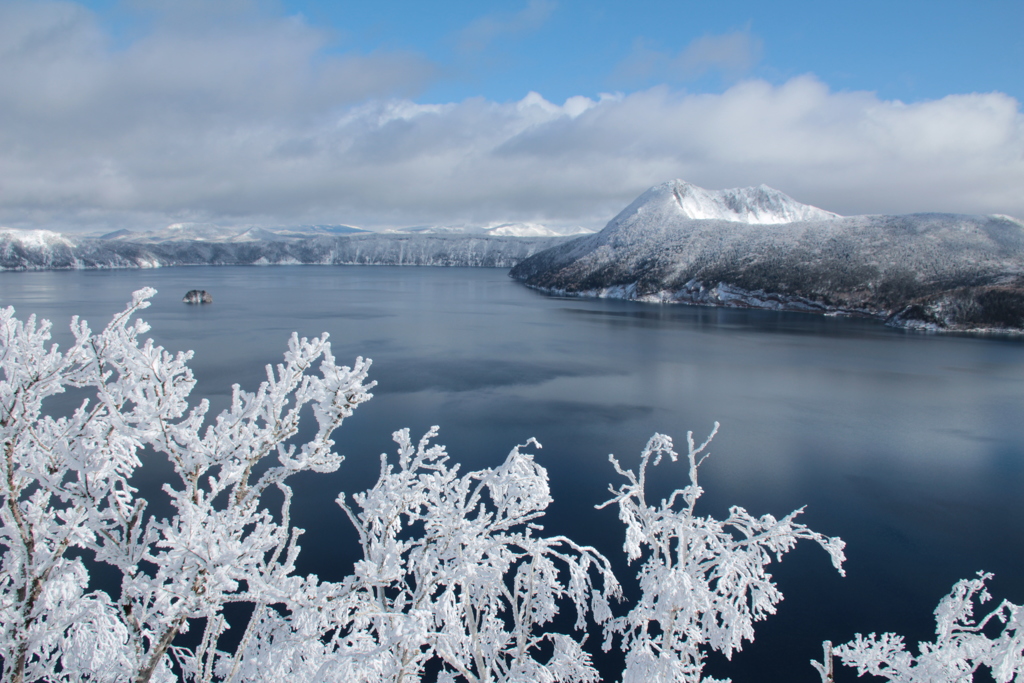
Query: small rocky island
<point x="198" y="296"/>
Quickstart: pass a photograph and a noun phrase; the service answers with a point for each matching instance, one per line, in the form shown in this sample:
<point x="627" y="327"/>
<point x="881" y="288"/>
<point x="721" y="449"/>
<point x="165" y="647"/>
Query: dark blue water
<point x="909" y="446"/>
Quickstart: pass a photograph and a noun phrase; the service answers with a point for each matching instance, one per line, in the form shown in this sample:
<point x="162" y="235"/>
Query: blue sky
<point x="907" y="50"/>
<point x="901" y="50"/>
<point x="134" y="113"/>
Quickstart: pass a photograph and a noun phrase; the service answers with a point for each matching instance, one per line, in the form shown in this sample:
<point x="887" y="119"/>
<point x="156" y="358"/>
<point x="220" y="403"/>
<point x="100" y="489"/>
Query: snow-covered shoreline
<point x="726" y="296"/>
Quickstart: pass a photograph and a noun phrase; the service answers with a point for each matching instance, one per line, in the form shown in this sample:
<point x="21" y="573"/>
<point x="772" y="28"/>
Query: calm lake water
<point x="909" y="446"/>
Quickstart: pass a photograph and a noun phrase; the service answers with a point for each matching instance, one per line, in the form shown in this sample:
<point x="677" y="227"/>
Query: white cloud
<point x="731" y="53"/>
<point x="482" y="31"/>
<point x="262" y="126"/>
<point x="56" y="62"/>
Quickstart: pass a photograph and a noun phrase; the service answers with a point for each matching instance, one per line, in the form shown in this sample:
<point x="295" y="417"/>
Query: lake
<point x="909" y="446"/>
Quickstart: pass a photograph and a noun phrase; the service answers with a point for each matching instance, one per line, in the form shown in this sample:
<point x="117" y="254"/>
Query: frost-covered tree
<point x="456" y="576"/>
<point x="961" y="645"/>
<point x="452" y="571"/>
<point x="65" y="489"/>
<point x="703" y="581"/>
<point x="454" y="567"/>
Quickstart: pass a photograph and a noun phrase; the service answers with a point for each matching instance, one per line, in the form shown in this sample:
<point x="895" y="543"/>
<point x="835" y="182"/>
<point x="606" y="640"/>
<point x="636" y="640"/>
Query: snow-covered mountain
<point x="756" y="247"/>
<point x="28" y="246"/>
<point x="39" y="250"/>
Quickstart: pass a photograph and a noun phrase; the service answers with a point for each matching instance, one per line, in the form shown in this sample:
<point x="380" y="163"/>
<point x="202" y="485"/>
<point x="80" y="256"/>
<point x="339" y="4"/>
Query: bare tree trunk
<point x="160" y="650"/>
<point x="824" y="667"/>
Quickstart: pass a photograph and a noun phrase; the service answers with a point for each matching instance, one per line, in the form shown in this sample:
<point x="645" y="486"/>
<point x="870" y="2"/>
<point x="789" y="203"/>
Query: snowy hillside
<point x="34" y="239"/>
<point x="39" y="250"/>
<point x="756" y="247"/>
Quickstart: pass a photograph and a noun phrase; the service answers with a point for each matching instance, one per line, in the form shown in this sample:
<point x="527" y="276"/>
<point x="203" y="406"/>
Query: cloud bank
<point x="256" y="121"/>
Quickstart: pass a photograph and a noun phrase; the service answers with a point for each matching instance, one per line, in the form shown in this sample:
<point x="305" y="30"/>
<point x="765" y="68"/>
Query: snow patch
<point x="35" y="239"/>
<point x="1004" y="217"/>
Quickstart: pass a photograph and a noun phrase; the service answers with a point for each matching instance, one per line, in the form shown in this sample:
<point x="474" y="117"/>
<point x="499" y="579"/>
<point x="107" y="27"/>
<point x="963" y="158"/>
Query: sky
<point x="141" y="113"/>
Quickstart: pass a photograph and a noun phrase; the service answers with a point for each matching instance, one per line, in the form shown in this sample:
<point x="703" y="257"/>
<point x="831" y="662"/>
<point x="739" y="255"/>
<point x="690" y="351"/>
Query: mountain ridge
<point x="929" y="271"/>
<point x="25" y="250"/>
<point x="761" y="205"/>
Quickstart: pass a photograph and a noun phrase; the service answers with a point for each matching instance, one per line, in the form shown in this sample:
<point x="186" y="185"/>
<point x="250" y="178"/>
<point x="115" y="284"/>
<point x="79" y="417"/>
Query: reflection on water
<point x="907" y="445"/>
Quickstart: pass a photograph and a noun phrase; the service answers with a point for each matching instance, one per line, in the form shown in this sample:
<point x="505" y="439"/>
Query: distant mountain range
<point x="192" y="244"/>
<point x="677" y="243"/>
<point x="210" y="232"/>
<point x="498" y="245"/>
<point x="757" y="247"/>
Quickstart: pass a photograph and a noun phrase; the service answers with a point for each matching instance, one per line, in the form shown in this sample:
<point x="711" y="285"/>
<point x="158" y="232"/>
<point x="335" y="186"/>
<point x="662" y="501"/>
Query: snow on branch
<point x="65" y="489"/>
<point x="456" y="576"/>
<point x="961" y="645"/>
<point x="703" y="580"/>
<point x="454" y="567"/>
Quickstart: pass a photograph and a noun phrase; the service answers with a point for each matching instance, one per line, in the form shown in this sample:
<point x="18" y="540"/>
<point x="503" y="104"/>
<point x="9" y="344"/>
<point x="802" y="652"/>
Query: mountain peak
<point x="759" y="205"/>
